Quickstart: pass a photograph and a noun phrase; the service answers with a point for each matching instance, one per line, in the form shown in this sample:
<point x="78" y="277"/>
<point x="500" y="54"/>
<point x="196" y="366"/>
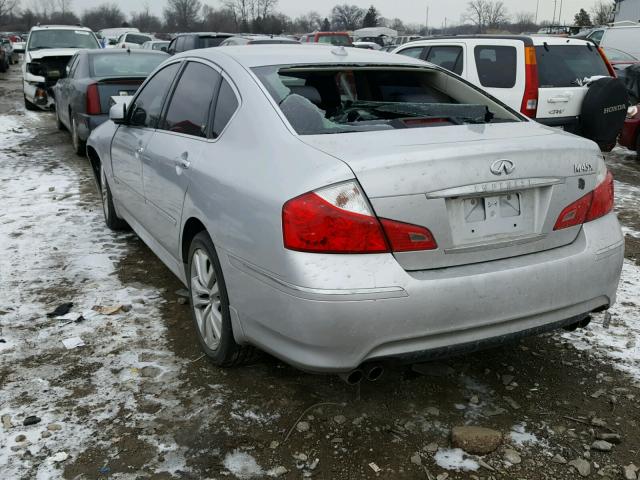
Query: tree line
<point x="262" y="16"/>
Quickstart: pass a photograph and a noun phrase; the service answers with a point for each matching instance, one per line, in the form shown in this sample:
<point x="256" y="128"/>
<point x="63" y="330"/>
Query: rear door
<point x="130" y="141"/>
<point x="499" y="69"/>
<point x="562" y="70"/>
<point x="179" y="144"/>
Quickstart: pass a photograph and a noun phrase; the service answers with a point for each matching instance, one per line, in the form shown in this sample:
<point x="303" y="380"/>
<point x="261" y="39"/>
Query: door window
<point x="596" y="36"/>
<point x="146" y="110"/>
<point x="190" y="104"/>
<point x="225" y="108"/>
<point x="415" y="52"/>
<point x="497" y="66"/>
<point x="73" y="65"/>
<point x="448" y="57"/>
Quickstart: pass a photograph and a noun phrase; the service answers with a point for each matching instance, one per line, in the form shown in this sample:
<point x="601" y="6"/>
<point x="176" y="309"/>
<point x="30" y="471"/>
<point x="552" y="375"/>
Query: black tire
<point x="227" y="353"/>
<point x="29" y="106"/>
<point x="604" y="110"/>
<point x="60" y="126"/>
<point x="110" y="216"/>
<point x="79" y="146"/>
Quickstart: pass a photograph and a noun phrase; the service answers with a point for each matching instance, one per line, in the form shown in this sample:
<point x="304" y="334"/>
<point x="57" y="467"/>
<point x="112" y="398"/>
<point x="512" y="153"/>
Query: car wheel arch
<point x="192" y="227"/>
<point x="94" y="160"/>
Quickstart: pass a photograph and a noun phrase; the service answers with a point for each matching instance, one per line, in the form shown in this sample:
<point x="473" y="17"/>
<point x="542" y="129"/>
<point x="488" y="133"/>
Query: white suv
<point x="560" y="82"/>
<point x="49" y="49"/>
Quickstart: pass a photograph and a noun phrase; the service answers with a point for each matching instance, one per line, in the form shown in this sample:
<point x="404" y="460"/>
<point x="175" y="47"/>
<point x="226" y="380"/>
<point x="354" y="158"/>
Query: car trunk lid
<point x="116" y="87"/>
<point x="485" y="191"/>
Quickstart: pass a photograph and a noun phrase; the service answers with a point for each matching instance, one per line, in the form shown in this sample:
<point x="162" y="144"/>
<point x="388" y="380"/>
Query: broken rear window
<point x="327" y="99"/>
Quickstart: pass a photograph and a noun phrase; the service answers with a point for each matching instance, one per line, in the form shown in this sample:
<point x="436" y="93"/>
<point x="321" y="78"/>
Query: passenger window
<point x="497" y="66"/>
<point x="146" y="110"/>
<point x="190" y="105"/>
<point x="225" y="108"/>
<point x="415" y="52"/>
<point x="180" y="44"/>
<point x="446" y="57"/>
<point x="73" y="65"/>
<point x="172" y="47"/>
<point x="596" y="36"/>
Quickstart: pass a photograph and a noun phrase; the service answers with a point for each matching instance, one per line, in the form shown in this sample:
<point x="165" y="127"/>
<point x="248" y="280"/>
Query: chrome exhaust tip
<point x="354" y="377"/>
<point x="374" y="372"/>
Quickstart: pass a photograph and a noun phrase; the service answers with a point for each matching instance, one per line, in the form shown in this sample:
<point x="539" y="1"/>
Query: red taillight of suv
<point x="530" y="100"/>
<point x="338" y="219"/>
<point x="93" y="100"/>
<point x="592" y="206"/>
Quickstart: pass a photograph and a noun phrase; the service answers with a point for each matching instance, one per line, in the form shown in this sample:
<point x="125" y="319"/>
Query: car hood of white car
<point x="52" y="52"/>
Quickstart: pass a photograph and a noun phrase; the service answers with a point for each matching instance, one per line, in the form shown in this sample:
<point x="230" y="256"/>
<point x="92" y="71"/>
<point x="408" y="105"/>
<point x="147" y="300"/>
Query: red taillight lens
<point x="602" y="202"/>
<point x="338" y="219"/>
<point x="529" y="105"/>
<point x="592" y="206"/>
<point x="93" y="100"/>
<point x="405" y="237"/>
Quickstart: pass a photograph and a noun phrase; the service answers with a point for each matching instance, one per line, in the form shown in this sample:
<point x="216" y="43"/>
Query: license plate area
<point x="478" y="219"/>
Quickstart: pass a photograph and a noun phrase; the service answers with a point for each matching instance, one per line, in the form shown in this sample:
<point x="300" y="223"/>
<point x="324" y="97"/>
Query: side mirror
<point x="118" y="113"/>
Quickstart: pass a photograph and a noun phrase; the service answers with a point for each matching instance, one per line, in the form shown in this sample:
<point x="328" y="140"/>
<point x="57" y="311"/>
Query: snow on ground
<point x="455" y="459"/>
<point x="56" y="249"/>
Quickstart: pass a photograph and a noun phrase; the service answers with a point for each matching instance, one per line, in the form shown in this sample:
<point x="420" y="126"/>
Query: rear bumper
<point x="402" y="314"/>
<point x="88" y="123"/>
<point x="568" y="124"/>
<point x="629" y="135"/>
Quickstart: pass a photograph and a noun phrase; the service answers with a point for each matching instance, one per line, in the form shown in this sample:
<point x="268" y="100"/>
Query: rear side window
<point x="225" y="108"/>
<point x="188" y="111"/>
<point x="568" y="65"/>
<point x="147" y="108"/>
<point x="414" y="52"/>
<point x="497" y="65"/>
<point x="137" y="39"/>
<point x="208" y="42"/>
<point x="448" y="57"/>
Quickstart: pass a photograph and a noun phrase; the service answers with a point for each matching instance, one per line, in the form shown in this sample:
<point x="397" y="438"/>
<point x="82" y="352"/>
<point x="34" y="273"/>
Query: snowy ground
<point x="138" y="401"/>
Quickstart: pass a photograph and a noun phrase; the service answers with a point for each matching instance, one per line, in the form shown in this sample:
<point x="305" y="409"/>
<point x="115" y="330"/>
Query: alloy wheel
<point x="205" y="298"/>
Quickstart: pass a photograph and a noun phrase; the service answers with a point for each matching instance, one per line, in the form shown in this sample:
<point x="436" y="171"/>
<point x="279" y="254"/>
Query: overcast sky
<point x="410" y="11"/>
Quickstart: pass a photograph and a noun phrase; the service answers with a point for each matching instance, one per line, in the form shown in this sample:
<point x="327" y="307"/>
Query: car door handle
<point x="560" y="99"/>
<point x="183" y="161"/>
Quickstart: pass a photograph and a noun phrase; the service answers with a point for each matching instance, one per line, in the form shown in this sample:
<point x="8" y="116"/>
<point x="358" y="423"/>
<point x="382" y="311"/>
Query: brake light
<point x="592" y="206"/>
<point x="612" y="72"/>
<point x="529" y="105"/>
<point x="93" y="100"/>
<point x="338" y="219"/>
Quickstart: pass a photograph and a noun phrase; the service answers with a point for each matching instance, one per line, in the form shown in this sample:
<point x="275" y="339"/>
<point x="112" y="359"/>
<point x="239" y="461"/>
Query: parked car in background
<point x="619" y="60"/>
<point x="82" y="98"/>
<point x="401" y="40"/>
<point x="367" y="45"/>
<point x="257" y="40"/>
<point x="18" y="44"/>
<point x="111" y="35"/>
<point x="420" y="199"/>
<point x="625" y="38"/>
<point x="133" y="40"/>
<point x="5" y="56"/>
<point x="594" y="34"/>
<point x="630" y="136"/>
<point x="8" y="46"/>
<point x="555" y="80"/>
<point x="159" y="45"/>
<point x="333" y="38"/>
<point x="193" y="41"/>
<point x="49" y="49"/>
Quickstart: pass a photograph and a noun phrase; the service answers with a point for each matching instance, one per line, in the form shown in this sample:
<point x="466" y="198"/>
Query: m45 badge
<point x="583" y="168"/>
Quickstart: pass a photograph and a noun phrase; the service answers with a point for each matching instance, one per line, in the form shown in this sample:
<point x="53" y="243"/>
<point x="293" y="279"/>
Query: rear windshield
<point x="41" y="39"/>
<point x="127" y="65"/>
<point x="137" y="39"/>
<point x="340" y="40"/>
<point x="324" y="100"/>
<point x="568" y="65"/>
<point x="159" y="45"/>
<point x="208" y="42"/>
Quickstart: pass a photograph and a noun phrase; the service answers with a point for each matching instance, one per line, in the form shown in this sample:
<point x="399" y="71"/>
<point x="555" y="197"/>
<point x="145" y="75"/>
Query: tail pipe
<point x="373" y="372"/>
<point x="354" y="377"/>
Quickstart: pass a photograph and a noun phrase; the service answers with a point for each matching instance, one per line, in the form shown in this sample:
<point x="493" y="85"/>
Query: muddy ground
<point x="139" y="401"/>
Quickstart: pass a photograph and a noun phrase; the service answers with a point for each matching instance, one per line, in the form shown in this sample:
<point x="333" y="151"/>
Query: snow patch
<point x="455" y="459"/>
<point x="242" y="465"/>
<point x="520" y="437"/>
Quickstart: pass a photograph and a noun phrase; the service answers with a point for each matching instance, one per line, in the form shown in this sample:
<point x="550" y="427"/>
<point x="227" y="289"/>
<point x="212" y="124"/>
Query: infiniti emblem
<point x="502" y="166"/>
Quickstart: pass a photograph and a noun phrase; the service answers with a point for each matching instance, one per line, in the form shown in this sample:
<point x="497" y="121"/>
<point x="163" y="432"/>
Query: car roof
<point x="61" y="27"/>
<point x="120" y="51"/>
<point x="537" y="40"/>
<point x="301" y="54"/>
<point x="205" y="34"/>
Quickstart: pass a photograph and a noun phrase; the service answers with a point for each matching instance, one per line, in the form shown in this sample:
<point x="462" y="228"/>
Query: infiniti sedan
<point x="339" y="207"/>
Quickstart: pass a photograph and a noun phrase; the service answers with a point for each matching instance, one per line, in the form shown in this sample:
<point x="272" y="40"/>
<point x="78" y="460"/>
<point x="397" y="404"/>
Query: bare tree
<point x="63" y="6"/>
<point x="145" y="20"/>
<point x="496" y="14"/>
<point x="7" y="7"/>
<point x="485" y="13"/>
<point x="242" y="11"/>
<point x="107" y="15"/>
<point x="182" y="15"/>
<point x="525" y="21"/>
<point x="264" y="8"/>
<point x="308" y="22"/>
<point x="347" y="17"/>
<point x="603" y="12"/>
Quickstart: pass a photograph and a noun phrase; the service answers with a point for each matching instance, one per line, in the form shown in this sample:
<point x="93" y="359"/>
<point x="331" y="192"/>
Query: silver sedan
<point x="336" y="207"/>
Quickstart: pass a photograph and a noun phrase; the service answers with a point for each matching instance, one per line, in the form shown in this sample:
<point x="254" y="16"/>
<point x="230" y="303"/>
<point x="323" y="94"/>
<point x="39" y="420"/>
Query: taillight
<point x="529" y="105"/>
<point x="610" y="68"/>
<point x="592" y="206"/>
<point x="93" y="100"/>
<point x="338" y="219"/>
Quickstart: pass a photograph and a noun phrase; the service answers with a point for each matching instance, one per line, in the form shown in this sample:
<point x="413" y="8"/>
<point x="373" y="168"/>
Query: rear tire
<point x="79" y="146"/>
<point x="29" y="106"/>
<point x="109" y="210"/>
<point x="210" y="305"/>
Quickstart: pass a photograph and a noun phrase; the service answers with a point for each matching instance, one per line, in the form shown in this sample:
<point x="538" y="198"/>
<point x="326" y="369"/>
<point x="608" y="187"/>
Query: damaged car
<point x="341" y="207"/>
<point x="48" y="51"/>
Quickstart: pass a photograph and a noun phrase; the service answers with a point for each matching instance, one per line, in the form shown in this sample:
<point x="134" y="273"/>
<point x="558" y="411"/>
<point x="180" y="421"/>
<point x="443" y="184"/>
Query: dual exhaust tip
<point x="370" y="373"/>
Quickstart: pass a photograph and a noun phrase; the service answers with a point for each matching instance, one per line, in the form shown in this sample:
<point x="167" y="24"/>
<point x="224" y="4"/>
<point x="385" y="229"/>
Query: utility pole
<point x="426" y="24"/>
<point x="537" y="10"/>
<point x="560" y="14"/>
<point x="555" y="5"/>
